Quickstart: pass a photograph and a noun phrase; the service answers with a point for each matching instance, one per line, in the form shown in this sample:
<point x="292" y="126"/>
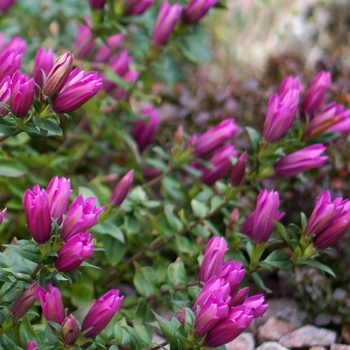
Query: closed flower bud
<point x="300" y="161"/>
<point x="137" y="7"/>
<point x="97" y="4"/>
<point x="58" y="75"/>
<point x="17" y="44"/>
<point x="84" y="42"/>
<point x="2" y="215"/>
<point x="51" y="303"/>
<point x="5" y="5"/>
<point x="329" y="220"/>
<point x="70" y="330"/>
<point x="196" y="9"/>
<point x="258" y="224"/>
<point x="315" y="94"/>
<point x="238" y="170"/>
<point x="168" y="16"/>
<point x="101" y="313"/>
<point x="122" y="189"/>
<point x="36" y="205"/>
<point x="79" y="88"/>
<point x="58" y="191"/>
<point x="82" y="215"/>
<point x="25" y="301"/>
<point x="214" y="138"/>
<point x="43" y="63"/>
<point x="74" y="252"/>
<point x="213" y="258"/>
<point x="32" y="345"/>
<point x="22" y="92"/>
<point x="221" y="162"/>
<point x="232" y="273"/>
<point x="10" y="61"/>
<point x="5" y="94"/>
<point x="105" y="52"/>
<point x="144" y="131"/>
<point x="255" y="304"/>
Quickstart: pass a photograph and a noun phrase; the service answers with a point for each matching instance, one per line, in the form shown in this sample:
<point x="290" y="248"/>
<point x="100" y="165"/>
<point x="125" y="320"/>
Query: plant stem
<point x="4" y="137"/>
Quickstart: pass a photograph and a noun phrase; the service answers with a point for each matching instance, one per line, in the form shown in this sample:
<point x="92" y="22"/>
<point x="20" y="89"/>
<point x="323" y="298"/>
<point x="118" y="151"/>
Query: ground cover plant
<point x="120" y="221"/>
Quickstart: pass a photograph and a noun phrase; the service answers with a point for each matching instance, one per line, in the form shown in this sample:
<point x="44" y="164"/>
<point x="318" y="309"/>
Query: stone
<point x="340" y="347"/>
<point x="273" y="329"/>
<point x="243" y="341"/>
<point x="309" y="336"/>
<point x="271" y="345"/>
<point x="317" y="348"/>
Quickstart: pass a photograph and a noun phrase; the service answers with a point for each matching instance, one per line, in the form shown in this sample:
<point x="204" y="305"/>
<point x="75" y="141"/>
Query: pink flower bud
<point x="2" y="215"/>
<point x="258" y="224"/>
<point x="32" y="345"/>
<point x="70" y="330"/>
<point x="22" y="93"/>
<point x="221" y="162"/>
<point x="81" y="216"/>
<point x="5" y="94"/>
<point x="213" y="258"/>
<point x="101" y="313"/>
<point x="300" y="161"/>
<point x="36" y="205"/>
<point x="238" y="170"/>
<point x="73" y="253"/>
<point x="315" y="94"/>
<point x="196" y="9"/>
<point x="58" y="75"/>
<point x="79" y="88"/>
<point x="144" y="132"/>
<point x="84" y="42"/>
<point x="11" y="60"/>
<point x="97" y="4"/>
<point x="137" y="7"/>
<point x="25" y="301"/>
<point x="58" y="191"/>
<point x="51" y="303"/>
<point x="43" y="63"/>
<point x="232" y="273"/>
<point x="5" y="5"/>
<point x="329" y="220"/>
<point x="167" y="18"/>
<point x="105" y="52"/>
<point x="214" y="138"/>
<point x="17" y="44"/>
<point x="122" y="189"/>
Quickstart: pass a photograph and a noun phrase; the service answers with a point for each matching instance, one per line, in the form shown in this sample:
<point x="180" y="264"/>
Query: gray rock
<point x="271" y="345"/>
<point x="273" y="329"/>
<point x="317" y="348"/>
<point x="243" y="341"/>
<point x="309" y="336"/>
<point x="340" y="347"/>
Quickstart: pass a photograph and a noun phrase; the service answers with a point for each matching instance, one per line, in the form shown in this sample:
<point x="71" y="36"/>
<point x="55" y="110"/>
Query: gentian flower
<point x="5" y="94"/>
<point x="121" y="190"/>
<point x="238" y="170"/>
<point x="84" y="42"/>
<point x="25" y="301"/>
<point x="105" y="52"/>
<point x="196" y="9"/>
<point x="137" y="7"/>
<point x="70" y="330"/>
<point x="43" y="62"/>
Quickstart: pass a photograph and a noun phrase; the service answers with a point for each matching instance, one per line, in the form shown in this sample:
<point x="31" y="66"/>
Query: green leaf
<point x="280" y="260"/>
<point x="47" y="125"/>
<point x="8" y="127"/>
<point x="254" y="138"/>
<point x="10" y="171"/>
<point x="316" y="264"/>
<point x="27" y="250"/>
<point x="141" y="331"/>
<point x="168" y="328"/>
<point x="199" y="209"/>
<point x="177" y="273"/>
<point x="259" y="282"/>
<point x="174" y="222"/>
<point x="184" y="245"/>
<point x="109" y="228"/>
<point x="114" y="249"/>
<point x="27" y="331"/>
<point x="142" y="285"/>
<point x="303" y="220"/>
<point x="282" y="230"/>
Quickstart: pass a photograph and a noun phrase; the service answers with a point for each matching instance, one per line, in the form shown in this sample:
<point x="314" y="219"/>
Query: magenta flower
<point x="232" y="273"/>
<point x="144" y="131"/>
<point x="101" y="313"/>
<point x="5" y="94"/>
<point x="214" y="138"/>
<point x="17" y="44"/>
<point x="105" y="52"/>
<point x="238" y="170"/>
<point x="5" y="5"/>
<point x="58" y="191"/>
<point x="289" y="83"/>
<point x="84" y="42"/>
<point x="97" y="4"/>
<point x="221" y="162"/>
<point x="196" y="9"/>
<point x="43" y="63"/>
<point x="300" y="161"/>
<point x="2" y="215"/>
<point x="81" y="216"/>
<point x="315" y="94"/>
<point x="280" y="114"/>
<point x="137" y="7"/>
<point x="36" y="205"/>
<point x="32" y="345"/>
<point x="79" y="88"/>
<point x="25" y="301"/>
<point x="121" y="190"/>
<point x="58" y="75"/>
<point x="70" y="330"/>
<point x="74" y="252"/>
<point x="258" y="225"/>
<point x="22" y="93"/>
<point x="213" y="258"/>
<point x="168" y="16"/>
<point x="51" y="303"/>
<point x="333" y="117"/>
<point x="255" y="303"/>
<point x="329" y="220"/>
<point x="11" y="60"/>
